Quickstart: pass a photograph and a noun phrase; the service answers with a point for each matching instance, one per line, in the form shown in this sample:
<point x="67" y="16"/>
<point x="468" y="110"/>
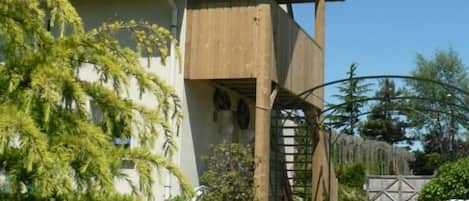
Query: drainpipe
<point x="174" y="17"/>
<point x="174" y="82"/>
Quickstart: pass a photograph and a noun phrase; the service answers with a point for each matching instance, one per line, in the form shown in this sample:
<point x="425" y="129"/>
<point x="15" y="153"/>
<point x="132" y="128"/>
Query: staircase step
<point x="295" y="154"/>
<point x="298" y="162"/>
<point x="292" y="145"/>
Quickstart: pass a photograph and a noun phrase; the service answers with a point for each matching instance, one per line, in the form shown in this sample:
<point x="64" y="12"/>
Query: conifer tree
<point x="50" y="147"/>
<point x="382" y="123"/>
<point x="345" y="117"/>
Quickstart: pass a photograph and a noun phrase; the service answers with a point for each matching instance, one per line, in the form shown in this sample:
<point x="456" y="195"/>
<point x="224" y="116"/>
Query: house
<point x="244" y="63"/>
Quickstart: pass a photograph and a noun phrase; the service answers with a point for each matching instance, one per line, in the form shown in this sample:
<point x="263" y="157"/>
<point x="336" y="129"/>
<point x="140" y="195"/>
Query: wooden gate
<point x="395" y="188"/>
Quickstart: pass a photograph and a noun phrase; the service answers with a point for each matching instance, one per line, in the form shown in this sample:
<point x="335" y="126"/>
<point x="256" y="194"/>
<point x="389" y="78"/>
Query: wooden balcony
<point x="229" y="40"/>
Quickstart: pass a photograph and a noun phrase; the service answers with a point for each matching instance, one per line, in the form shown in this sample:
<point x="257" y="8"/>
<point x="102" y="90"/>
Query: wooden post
<point x="319" y="23"/>
<point x="263" y="100"/>
<point x="321" y="181"/>
<point x="319" y="19"/>
<point x="319" y="168"/>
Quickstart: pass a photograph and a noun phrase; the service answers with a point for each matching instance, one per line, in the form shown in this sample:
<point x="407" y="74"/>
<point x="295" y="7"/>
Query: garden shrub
<point x="351" y="179"/>
<point x="451" y="182"/>
<point x="230" y="173"/>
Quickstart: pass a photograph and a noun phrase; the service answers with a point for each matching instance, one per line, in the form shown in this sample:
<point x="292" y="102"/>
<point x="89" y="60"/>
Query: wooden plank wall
<point x="221" y="39"/>
<point x="299" y="59"/>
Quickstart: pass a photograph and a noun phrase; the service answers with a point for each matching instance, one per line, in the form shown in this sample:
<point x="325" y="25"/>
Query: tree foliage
<point x="50" y="147"/>
<point x="345" y="118"/>
<point x="439" y="118"/>
<point x="383" y="123"/>
<point x="230" y="173"/>
<point x="351" y="179"/>
<point x="427" y="161"/>
<point x="451" y="182"/>
<point x="441" y="123"/>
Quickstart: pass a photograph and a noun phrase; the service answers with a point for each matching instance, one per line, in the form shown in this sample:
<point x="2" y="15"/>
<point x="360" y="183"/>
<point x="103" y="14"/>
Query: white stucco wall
<point x="198" y="128"/>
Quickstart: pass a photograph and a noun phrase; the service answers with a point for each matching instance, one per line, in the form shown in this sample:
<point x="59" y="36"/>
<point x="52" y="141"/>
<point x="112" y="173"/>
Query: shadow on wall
<point x="202" y="130"/>
<point x="94" y="13"/>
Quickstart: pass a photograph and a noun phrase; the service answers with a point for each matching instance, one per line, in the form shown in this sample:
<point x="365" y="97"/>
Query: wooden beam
<point x="263" y="91"/>
<point x="319" y="18"/>
<point x="320" y="170"/>
<point x="290" y="10"/>
<point x="262" y="139"/>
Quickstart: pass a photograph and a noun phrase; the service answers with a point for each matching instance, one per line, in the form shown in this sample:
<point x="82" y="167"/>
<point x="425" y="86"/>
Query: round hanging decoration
<point x="242" y="114"/>
<point x="221" y="100"/>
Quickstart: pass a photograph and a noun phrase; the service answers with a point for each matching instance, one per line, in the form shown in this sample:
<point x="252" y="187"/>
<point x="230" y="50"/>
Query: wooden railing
<point x="299" y="59"/>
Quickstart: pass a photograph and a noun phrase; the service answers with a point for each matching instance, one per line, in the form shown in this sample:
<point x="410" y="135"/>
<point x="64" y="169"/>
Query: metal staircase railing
<point x="291" y="157"/>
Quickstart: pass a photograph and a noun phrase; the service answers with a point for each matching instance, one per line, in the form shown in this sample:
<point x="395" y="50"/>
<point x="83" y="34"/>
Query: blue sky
<point x="383" y="37"/>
